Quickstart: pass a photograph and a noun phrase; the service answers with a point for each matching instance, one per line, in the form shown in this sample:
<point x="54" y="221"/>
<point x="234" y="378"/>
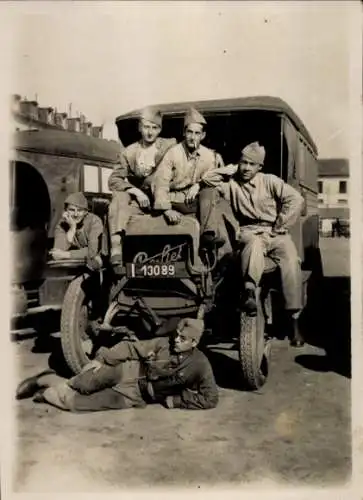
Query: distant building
<point x="333" y="188"/>
<point x="28" y="115"/>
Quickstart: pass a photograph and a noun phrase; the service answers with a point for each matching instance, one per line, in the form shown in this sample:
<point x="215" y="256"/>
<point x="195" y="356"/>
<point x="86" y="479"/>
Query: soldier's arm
<point x="118" y="179"/>
<point x="61" y="242"/>
<point x="204" y="397"/>
<point x="160" y="184"/>
<point x="289" y="200"/>
<point x="219" y="161"/>
<point x="95" y="236"/>
<point x="217" y="176"/>
<point x="166" y="145"/>
<point x="60" y="238"/>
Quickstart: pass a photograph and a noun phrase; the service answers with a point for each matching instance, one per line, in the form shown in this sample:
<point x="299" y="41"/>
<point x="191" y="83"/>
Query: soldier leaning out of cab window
<point x="78" y="235"/>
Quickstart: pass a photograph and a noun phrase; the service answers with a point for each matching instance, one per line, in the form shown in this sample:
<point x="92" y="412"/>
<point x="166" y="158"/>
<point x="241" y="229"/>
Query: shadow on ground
<point x="326" y="325"/>
<point x="227" y="371"/>
<point x="49" y="344"/>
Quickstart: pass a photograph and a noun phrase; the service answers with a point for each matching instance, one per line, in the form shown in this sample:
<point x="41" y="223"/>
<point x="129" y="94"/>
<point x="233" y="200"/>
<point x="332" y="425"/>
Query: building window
<point x="342" y="202"/>
<point x="320" y="186"/>
<point x="91" y="179"/>
<point x="342" y="187"/>
<point x="320" y="199"/>
<point x="95" y="179"/>
<point x="105" y="174"/>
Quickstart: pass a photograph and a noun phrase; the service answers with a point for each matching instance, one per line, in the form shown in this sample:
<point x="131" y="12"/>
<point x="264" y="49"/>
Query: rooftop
<point x="34" y="116"/>
<point x="66" y="143"/>
<point x="334" y="167"/>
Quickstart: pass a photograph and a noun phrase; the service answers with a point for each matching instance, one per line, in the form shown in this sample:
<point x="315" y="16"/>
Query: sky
<point x="110" y="58"/>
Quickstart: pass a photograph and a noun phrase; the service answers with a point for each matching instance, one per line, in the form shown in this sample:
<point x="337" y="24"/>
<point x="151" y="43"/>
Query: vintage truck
<point x="163" y="278"/>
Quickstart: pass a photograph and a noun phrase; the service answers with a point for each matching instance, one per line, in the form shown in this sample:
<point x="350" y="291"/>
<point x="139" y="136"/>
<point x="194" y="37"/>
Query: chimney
<point x="97" y="131"/>
<point x="82" y="121"/>
<point x="86" y="128"/>
<point x="15" y="103"/>
<point x="46" y="115"/>
<point x="73" y="124"/>
<point x="60" y="120"/>
<point x="29" y="109"/>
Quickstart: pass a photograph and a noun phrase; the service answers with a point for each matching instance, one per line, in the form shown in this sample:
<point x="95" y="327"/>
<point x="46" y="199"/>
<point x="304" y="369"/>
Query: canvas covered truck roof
<point x="263" y="103"/>
<point x="65" y="143"/>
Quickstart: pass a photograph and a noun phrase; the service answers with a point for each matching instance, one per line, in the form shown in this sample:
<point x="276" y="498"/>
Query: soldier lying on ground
<point x="178" y="186"/>
<point x="78" y="235"/>
<point x="261" y="208"/>
<point x="130" y="180"/>
<point x="169" y="371"/>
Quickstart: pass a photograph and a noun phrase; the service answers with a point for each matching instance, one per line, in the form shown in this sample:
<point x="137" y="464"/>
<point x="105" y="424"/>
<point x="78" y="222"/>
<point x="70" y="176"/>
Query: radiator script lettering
<point x="168" y="255"/>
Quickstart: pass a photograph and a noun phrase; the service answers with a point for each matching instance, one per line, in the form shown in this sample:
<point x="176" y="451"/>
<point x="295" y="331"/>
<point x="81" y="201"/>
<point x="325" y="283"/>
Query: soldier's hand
<point x="69" y="219"/>
<point x="92" y="365"/>
<point x="58" y="254"/>
<point x="277" y="231"/>
<point x="172" y="216"/>
<point x="141" y="197"/>
<point x="192" y="193"/>
<point x="229" y="169"/>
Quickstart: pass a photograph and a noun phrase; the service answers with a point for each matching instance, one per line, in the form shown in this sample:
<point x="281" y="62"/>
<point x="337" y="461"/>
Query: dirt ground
<point x="295" y="431"/>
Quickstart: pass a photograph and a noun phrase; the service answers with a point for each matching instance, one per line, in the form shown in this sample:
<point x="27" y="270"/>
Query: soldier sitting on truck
<point x="178" y="186"/>
<point x="130" y="180"/>
<point x="78" y="235"/>
<point x="261" y="209"/>
<point x="168" y="371"/>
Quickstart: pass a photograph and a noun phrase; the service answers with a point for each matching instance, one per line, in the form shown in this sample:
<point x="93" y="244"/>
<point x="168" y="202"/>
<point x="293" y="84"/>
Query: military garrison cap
<point x="191" y="328"/>
<point x="151" y="115"/>
<point x="77" y="199"/>
<point x="254" y="152"/>
<point x="193" y="116"/>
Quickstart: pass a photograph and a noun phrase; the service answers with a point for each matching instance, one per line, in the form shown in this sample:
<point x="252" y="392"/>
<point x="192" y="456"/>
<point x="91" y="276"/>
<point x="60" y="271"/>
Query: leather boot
<point x="28" y="387"/>
<point x="294" y="332"/>
<point x="250" y="302"/>
<point x="116" y="250"/>
<point x="209" y="240"/>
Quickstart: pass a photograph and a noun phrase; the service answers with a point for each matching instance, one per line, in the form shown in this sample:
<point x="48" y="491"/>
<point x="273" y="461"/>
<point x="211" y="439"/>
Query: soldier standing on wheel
<point x="130" y="180"/>
<point x="261" y="209"/>
<point x="171" y="372"/>
<point x="178" y="185"/>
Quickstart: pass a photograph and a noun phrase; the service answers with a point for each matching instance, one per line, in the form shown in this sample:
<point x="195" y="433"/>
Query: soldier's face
<point x="182" y="342"/>
<point x="248" y="169"/>
<point x="194" y="134"/>
<point x="149" y="131"/>
<point x="76" y="213"/>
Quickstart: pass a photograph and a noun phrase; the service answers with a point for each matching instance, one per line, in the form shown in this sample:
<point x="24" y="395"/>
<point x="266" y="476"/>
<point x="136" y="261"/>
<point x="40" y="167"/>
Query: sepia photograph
<point x="184" y="197"/>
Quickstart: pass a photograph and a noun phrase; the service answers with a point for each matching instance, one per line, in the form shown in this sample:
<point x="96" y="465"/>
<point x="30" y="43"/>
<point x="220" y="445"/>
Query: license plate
<point x="150" y="270"/>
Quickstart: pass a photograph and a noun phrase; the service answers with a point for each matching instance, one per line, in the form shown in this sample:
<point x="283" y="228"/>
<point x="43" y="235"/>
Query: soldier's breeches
<point x="252" y="257"/>
<point x="204" y="206"/>
<point x="208" y="198"/>
<point x="107" y="388"/>
<point x="280" y="249"/>
<point x="122" y="207"/>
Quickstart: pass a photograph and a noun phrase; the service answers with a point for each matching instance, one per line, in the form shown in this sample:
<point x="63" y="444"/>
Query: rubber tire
<point x="71" y="329"/>
<point x="251" y="349"/>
